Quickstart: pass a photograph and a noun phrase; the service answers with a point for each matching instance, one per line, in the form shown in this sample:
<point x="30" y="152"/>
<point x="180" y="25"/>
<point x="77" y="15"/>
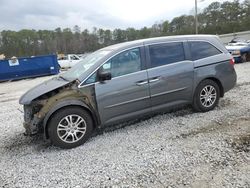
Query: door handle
<point x="140" y="83"/>
<point x="156" y="79"/>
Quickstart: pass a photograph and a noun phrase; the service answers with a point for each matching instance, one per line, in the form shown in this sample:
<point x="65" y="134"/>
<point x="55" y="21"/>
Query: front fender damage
<point x="44" y="106"/>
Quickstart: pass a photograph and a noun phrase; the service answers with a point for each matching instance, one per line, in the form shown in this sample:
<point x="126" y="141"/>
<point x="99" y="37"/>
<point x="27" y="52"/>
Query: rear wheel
<point x="206" y="96"/>
<point x="70" y="127"/>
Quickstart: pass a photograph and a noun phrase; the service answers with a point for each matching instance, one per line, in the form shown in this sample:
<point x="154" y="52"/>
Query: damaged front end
<point x="42" y="101"/>
<point x="33" y="101"/>
<point x="32" y="120"/>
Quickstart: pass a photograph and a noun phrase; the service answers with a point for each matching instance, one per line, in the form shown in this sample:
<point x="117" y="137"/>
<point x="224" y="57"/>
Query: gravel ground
<point x="178" y="149"/>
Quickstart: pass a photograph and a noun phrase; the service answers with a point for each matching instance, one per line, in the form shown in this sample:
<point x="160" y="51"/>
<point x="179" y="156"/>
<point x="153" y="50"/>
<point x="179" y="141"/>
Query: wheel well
<point x="78" y="106"/>
<point x="217" y="82"/>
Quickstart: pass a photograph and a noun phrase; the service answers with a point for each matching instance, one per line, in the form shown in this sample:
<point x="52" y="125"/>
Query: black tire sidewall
<point x="56" y="118"/>
<point x="197" y="103"/>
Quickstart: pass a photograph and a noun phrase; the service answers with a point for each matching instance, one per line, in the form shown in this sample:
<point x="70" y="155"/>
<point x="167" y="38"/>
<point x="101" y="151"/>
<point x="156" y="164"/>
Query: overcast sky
<point x="107" y="14"/>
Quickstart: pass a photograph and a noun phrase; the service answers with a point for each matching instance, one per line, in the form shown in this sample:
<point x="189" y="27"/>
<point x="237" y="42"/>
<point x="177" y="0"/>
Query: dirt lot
<point x="178" y="149"/>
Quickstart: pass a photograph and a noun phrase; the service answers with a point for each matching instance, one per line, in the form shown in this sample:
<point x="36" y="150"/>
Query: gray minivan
<point x="128" y="81"/>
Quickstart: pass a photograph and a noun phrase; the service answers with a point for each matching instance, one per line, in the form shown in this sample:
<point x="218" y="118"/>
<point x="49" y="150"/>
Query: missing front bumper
<point x="31" y="121"/>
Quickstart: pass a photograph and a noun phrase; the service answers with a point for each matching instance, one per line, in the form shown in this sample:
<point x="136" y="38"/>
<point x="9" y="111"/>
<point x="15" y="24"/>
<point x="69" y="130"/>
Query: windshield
<point x="84" y="65"/>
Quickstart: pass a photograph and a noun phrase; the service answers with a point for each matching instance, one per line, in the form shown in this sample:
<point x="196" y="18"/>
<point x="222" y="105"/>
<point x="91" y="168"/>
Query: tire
<point x="203" y="101"/>
<point x="70" y="127"/>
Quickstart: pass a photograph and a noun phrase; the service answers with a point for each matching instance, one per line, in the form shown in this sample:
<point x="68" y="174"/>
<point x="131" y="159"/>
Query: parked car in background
<point x="128" y="81"/>
<point x="68" y="61"/>
<point x="240" y="50"/>
<point x="82" y="56"/>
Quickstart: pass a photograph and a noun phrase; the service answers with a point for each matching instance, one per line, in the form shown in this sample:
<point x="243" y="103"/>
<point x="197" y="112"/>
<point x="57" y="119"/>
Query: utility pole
<point x="196" y="18"/>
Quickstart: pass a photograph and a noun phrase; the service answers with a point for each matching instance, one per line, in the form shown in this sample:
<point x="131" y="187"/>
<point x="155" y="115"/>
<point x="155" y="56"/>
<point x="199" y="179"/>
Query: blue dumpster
<point x="14" y="68"/>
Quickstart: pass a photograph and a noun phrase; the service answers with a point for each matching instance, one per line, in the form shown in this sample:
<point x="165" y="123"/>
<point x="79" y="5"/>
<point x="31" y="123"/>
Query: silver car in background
<point x="128" y="81"/>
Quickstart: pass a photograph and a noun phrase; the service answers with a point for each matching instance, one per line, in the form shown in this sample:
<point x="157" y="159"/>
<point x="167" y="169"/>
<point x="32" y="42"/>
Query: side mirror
<point x="102" y="76"/>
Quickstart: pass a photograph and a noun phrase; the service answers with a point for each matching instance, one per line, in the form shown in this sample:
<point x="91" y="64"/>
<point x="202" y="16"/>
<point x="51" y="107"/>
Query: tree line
<point x="217" y="18"/>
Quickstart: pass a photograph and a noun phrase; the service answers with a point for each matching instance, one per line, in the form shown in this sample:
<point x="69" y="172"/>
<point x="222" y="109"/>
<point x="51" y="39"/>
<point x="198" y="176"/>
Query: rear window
<point x="163" y="54"/>
<point x="200" y="49"/>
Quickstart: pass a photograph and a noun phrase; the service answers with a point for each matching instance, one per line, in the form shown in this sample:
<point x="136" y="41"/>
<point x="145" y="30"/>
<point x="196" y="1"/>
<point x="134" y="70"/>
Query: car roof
<point x="157" y="40"/>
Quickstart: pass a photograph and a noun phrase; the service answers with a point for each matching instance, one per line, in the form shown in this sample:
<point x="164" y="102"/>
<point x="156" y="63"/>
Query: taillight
<point x="232" y="61"/>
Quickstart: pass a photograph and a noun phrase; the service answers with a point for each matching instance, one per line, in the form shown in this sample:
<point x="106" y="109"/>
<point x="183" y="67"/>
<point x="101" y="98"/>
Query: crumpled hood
<point x="41" y="89"/>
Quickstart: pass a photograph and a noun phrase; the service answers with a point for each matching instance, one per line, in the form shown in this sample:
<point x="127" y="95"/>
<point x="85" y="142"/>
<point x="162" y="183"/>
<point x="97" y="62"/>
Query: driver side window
<point x="124" y="63"/>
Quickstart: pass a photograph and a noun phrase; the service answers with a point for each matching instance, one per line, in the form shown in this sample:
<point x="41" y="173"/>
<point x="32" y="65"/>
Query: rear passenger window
<point x="163" y="54"/>
<point x="200" y="49"/>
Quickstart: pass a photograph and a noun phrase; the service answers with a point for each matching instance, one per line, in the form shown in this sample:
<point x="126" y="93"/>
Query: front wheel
<point x="206" y="96"/>
<point x="70" y="127"/>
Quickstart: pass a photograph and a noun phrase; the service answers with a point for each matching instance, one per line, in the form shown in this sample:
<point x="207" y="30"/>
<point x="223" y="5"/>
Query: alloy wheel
<point x="71" y="128"/>
<point x="208" y="96"/>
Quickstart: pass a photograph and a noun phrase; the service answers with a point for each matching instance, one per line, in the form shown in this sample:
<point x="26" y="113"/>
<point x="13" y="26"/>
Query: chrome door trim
<point x="127" y="102"/>
<point x="168" y="92"/>
<point x="141" y="83"/>
<point x="154" y="80"/>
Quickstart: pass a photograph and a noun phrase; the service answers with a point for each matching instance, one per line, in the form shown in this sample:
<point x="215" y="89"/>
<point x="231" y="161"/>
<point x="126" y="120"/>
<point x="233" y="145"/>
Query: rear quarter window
<point x="202" y="49"/>
<point x="167" y="53"/>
